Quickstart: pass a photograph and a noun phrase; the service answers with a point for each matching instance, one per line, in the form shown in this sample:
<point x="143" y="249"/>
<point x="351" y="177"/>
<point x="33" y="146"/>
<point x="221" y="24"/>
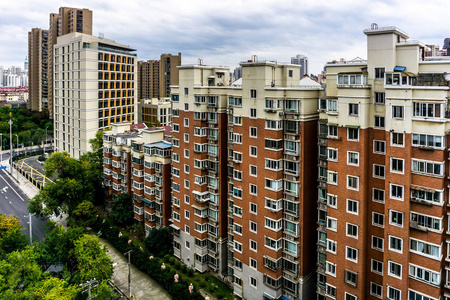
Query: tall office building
<point x="95" y="86"/>
<point x="38" y="69"/>
<point x="245" y="157"/>
<point x="383" y="136"/>
<point x="68" y="20"/>
<point x="156" y="76"/>
<point x="302" y="60"/>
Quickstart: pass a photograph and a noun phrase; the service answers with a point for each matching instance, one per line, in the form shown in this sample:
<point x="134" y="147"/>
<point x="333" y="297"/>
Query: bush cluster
<point x="141" y="259"/>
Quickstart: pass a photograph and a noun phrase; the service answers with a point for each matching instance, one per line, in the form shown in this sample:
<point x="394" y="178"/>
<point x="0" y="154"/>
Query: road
<point x="13" y="201"/>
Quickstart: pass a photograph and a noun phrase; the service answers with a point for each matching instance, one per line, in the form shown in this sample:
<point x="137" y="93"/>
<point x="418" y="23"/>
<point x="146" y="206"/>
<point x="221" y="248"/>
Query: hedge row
<point x="140" y="258"/>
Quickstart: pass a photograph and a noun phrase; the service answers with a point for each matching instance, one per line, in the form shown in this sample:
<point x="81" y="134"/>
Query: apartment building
<point x="95" y="86"/>
<point x="68" y="20"/>
<point x="138" y="162"/>
<point x="38" y="69"/>
<point x="252" y="226"/>
<point x="155" y="111"/>
<point x="199" y="167"/>
<point x="383" y="189"/>
<point x="156" y="76"/>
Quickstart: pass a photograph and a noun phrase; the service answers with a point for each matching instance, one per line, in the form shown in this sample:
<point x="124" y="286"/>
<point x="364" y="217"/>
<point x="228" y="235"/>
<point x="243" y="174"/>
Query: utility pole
<point x="89" y="284"/>
<point x="1" y="148"/>
<point x="10" y="142"/>
<point x="129" y="272"/>
<point x="31" y="227"/>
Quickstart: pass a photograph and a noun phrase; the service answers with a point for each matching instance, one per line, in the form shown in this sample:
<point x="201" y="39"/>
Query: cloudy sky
<point x="227" y="32"/>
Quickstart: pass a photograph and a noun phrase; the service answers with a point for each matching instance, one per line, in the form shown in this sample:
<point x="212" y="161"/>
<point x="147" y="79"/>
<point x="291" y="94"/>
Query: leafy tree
<point x="12" y="237"/>
<point x="158" y="241"/>
<point x="84" y="215"/>
<point x="122" y="210"/>
<point x="92" y="258"/>
<point x="62" y="165"/>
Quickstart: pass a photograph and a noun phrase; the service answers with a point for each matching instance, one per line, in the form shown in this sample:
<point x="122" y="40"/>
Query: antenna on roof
<point x="200" y="62"/>
<point x="254" y="58"/>
<point x="374" y="26"/>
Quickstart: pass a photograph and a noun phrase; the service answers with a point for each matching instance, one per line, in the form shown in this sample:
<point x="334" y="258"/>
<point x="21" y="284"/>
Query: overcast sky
<point x="227" y="32"/>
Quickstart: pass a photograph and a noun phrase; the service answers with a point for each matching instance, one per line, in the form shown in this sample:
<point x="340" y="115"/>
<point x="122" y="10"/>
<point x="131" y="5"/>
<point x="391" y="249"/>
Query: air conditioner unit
<point x="281" y="113"/>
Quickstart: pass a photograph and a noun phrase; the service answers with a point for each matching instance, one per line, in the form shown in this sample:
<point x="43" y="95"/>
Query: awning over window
<point x="332" y="124"/>
<point x="174" y="227"/>
<point x="424" y="189"/>
<point x="267" y="296"/>
<point x="399" y="69"/>
<point x="285" y="298"/>
<point x="352" y="126"/>
<point x="147" y="201"/>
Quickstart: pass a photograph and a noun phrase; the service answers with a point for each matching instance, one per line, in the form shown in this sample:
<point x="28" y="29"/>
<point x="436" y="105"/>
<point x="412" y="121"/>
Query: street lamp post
<point x="1" y="148"/>
<point x="17" y="140"/>
<point x="10" y="142"/>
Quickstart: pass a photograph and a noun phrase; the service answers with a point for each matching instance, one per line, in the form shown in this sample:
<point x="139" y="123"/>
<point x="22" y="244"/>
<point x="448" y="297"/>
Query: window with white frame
<point x="253" y="245"/>
<point x="425" y="249"/>
<point x="428" y="167"/>
<point x="395" y="244"/>
<point x="353" y="109"/>
<point x="253" y="132"/>
<point x="186" y="122"/>
<point x="397" y="165"/>
<point x="376" y="290"/>
<point x="332" y="154"/>
<point x="427" y="140"/>
<point x="396" y="191"/>
<point x="253" y="151"/>
<point x="352" y="158"/>
<point x="253" y="189"/>
<point x="393" y="293"/>
<point x="426" y="221"/>
<point x="379" y="98"/>
<point x="252" y="112"/>
<point x="396" y="218"/>
<point x="430" y="196"/>
<point x="331" y="223"/>
<point x="330" y="291"/>
<point x="377" y="243"/>
<point x="397" y="139"/>
<point x="377" y="219"/>
<point x="274" y="225"/>
<point x="377" y="266"/>
<point x="332" y="177"/>
<point x="274" y="185"/>
<point x="332" y="200"/>
<point x="352" y="230"/>
<point x="378" y="195"/>
<point x="351" y="254"/>
<point x="274" y="165"/>
<point x="253" y="282"/>
<point x="352" y="182"/>
<point x="252" y="170"/>
<point x="426" y="275"/>
<point x="379" y="147"/>
<point x="253" y="227"/>
<point x="379" y="122"/>
<point x="378" y="171"/>
<point x="332" y="131"/>
<point x="394" y="269"/>
<point x="352" y="134"/>
<point x="398" y="112"/>
<point x="330" y="269"/>
<point x="252" y="93"/>
<point x="237" y="247"/>
<point x="253" y="208"/>
<point x="273" y="244"/>
<point x="331" y="246"/>
<point x="352" y="206"/>
<point x="428" y="110"/>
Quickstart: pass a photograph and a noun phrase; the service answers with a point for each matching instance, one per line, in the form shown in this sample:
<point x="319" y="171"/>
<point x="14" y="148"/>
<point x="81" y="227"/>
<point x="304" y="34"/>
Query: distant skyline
<point x="225" y="33"/>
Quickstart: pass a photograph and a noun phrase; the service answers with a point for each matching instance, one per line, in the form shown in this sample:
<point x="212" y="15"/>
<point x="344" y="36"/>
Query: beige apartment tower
<point x="156" y="76"/>
<point x="68" y="20"/>
<point x="95" y="86"/>
<point x="38" y="69"/>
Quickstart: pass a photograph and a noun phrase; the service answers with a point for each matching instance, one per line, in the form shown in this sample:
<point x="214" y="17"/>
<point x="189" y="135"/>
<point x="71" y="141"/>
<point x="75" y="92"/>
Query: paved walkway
<point x="142" y="286"/>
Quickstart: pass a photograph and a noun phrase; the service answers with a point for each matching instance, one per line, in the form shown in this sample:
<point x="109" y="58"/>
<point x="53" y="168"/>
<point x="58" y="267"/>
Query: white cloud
<point x="227" y="32"/>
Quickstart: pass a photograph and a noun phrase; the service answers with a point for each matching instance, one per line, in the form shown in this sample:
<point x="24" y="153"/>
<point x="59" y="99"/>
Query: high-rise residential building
<point x="38" y="69"/>
<point x="301" y="59"/>
<point x="68" y="20"/>
<point x="138" y="162"/>
<point x="157" y="112"/>
<point x="244" y="162"/>
<point x="156" y="76"/>
<point x="383" y="188"/>
<point x="95" y="86"/>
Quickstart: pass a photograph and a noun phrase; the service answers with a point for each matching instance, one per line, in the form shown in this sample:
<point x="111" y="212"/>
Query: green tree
<point x="84" y="215"/>
<point x="12" y="237"/>
<point x="122" y="210"/>
<point x="62" y="165"/>
<point x="158" y="241"/>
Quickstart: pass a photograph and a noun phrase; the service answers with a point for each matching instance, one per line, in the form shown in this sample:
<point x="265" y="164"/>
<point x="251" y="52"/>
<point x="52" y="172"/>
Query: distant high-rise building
<point x="25" y="64"/>
<point x="95" y="86"/>
<point x="156" y="76"/>
<point x="302" y="60"/>
<point x="447" y="46"/>
<point x="155" y="112"/>
<point x="237" y="73"/>
<point x="66" y="21"/>
<point x="38" y="68"/>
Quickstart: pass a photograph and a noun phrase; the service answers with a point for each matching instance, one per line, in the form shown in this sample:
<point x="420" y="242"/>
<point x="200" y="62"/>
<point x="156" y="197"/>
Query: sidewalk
<point x="142" y="286"/>
<point x="26" y="186"/>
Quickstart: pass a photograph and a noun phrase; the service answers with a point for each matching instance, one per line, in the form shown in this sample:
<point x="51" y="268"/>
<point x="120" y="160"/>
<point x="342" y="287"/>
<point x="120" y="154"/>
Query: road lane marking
<point x="11" y="188"/>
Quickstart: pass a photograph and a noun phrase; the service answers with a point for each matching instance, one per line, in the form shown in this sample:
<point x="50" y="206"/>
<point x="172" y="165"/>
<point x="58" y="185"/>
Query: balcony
<point x="415" y="225"/>
<point x="420" y="201"/>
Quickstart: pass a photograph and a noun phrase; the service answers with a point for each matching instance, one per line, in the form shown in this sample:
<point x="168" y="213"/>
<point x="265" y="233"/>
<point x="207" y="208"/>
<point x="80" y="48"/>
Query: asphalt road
<point x="13" y="201"/>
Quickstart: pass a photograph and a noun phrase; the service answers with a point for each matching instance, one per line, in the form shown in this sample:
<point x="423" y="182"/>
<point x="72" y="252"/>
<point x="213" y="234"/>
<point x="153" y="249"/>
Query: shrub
<point x="171" y="260"/>
<point x="202" y="284"/>
<point x="166" y="258"/>
<point x="190" y="272"/>
<point x="184" y="268"/>
<point x="177" y="265"/>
